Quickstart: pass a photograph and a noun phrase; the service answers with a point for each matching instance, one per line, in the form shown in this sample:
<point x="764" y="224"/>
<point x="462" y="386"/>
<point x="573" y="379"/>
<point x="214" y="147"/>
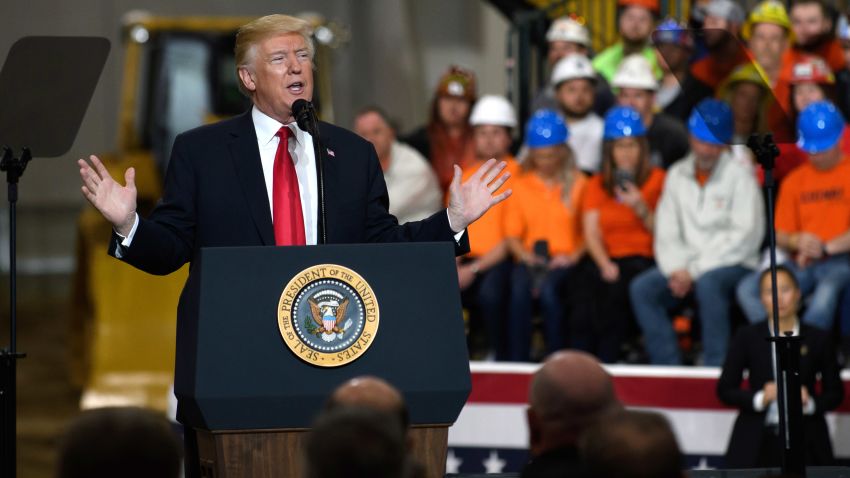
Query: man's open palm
<point x="117" y="203"/>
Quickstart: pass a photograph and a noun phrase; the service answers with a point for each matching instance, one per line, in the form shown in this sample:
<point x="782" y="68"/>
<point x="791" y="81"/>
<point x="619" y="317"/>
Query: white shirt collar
<point x="795" y="330"/>
<point x="267" y="128"/>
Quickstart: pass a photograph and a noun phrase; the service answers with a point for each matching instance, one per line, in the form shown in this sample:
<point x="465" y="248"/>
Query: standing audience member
<point x="447" y="138"/>
<point x="119" y="441"/>
<point x="636" y="86"/>
<point x="484" y="273"/>
<point x="356" y="442"/>
<point x="411" y="183"/>
<point x="721" y="26"/>
<point x="755" y="440"/>
<point x="632" y="444"/>
<point x="674" y="48"/>
<point x="635" y="22"/>
<point x="813" y="220"/>
<point x="574" y="81"/>
<point x="708" y="228"/>
<point x="544" y="234"/>
<point x="569" y="394"/>
<point x="767" y="32"/>
<point x="811" y="22"/>
<point x="617" y="219"/>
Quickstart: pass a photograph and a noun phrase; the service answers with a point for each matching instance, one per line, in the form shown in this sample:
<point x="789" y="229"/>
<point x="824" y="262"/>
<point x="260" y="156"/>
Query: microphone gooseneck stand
<point x="786" y="346"/>
<point x="14" y="168"/>
<point x="305" y="116"/>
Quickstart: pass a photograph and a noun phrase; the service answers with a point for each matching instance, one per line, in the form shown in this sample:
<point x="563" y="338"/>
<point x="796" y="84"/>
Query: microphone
<point x="304" y="115"/>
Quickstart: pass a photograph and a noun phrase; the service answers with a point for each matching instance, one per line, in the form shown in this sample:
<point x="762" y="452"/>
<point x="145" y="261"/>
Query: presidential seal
<point x="328" y="315"/>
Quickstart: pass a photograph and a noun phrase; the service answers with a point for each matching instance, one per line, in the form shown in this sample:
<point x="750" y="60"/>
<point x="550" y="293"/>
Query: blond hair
<point x="252" y="33"/>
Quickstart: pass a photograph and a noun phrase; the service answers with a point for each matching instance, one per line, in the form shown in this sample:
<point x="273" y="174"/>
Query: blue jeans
<point x="552" y="310"/>
<point x="652" y="299"/>
<point x="486" y="298"/>
<point x="822" y="283"/>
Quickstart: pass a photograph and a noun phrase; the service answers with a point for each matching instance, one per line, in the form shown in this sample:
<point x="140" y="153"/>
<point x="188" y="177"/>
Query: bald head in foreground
<point x="373" y="393"/>
<point x="570" y="393"/>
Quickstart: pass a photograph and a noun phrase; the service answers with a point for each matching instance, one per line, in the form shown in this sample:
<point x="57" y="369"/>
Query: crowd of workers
<point x="637" y="208"/>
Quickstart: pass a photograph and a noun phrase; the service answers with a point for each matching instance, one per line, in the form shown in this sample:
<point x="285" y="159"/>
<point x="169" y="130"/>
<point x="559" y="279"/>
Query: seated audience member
<point x="617" y="219"/>
<point x="721" y="28"/>
<point x="543" y="233"/>
<point x="119" y="441"/>
<point x="356" y="442"/>
<point x="411" y="183"/>
<point x="370" y="392"/>
<point x="635" y="22"/>
<point x="708" y="228"/>
<point x="574" y="80"/>
<point x="484" y="273"/>
<point x="674" y="47"/>
<point x="636" y="85"/>
<point x="748" y="95"/>
<point x="755" y="440"/>
<point x="567" y="36"/>
<point x="842" y="76"/>
<point x="813" y="220"/>
<point x="632" y="444"/>
<point x="447" y="138"/>
<point x="569" y="394"/>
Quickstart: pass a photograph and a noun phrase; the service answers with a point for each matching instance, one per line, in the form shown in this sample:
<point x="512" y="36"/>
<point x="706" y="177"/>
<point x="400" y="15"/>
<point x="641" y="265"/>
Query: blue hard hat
<point x="670" y="31"/>
<point x="819" y="127"/>
<point x="545" y="128"/>
<point x="711" y="121"/>
<point x="623" y="122"/>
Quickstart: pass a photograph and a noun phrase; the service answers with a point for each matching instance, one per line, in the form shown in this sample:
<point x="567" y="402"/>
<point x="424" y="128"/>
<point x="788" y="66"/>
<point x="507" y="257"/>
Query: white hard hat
<point x="493" y="110"/>
<point x="571" y="67"/>
<point x="635" y="71"/>
<point x="567" y="29"/>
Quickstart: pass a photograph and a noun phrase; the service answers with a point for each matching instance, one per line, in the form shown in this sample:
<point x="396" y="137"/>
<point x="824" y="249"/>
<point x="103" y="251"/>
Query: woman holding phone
<point x="617" y="220"/>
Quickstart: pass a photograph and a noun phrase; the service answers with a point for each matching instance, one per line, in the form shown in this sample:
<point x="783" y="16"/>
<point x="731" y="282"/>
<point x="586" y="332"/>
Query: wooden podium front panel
<point x="277" y="453"/>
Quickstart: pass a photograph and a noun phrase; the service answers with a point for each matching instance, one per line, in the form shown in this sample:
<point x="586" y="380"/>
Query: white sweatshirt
<point x="700" y="228"/>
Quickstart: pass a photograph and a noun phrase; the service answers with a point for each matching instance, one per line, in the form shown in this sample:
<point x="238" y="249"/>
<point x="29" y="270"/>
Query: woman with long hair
<point x="543" y="234"/>
<point x="617" y="218"/>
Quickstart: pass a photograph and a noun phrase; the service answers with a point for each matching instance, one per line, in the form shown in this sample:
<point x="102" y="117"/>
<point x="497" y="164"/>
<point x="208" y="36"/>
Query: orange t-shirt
<point x="815" y="201"/>
<point x="623" y="232"/>
<point x="537" y="212"/>
<point x="489" y="230"/>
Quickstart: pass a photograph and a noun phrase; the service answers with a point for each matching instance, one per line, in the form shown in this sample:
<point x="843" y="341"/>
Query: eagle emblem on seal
<point x="327" y="309"/>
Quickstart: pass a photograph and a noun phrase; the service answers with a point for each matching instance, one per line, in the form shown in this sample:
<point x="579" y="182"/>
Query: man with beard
<point x="574" y="81"/>
<point x="635" y="22"/>
<point x="674" y="47"/>
<point x="811" y="23"/>
<point x="636" y="87"/>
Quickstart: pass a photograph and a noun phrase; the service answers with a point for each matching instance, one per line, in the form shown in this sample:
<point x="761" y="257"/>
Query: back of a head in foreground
<point x="632" y="444"/>
<point x="569" y="393"/>
<point x="119" y="441"/>
<point x="356" y="442"/>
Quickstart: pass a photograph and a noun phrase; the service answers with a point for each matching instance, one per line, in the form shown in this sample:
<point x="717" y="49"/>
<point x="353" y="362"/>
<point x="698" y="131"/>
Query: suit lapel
<point x="245" y="155"/>
<point x="331" y="172"/>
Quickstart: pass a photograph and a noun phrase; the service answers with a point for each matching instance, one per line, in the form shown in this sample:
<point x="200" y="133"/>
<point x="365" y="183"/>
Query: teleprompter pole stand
<point x="14" y="168"/>
<point x="785" y="346"/>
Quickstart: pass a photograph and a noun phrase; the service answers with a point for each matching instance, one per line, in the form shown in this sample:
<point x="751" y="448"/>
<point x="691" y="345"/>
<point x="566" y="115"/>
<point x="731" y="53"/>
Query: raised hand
<point x="470" y="200"/>
<point x="117" y="203"/>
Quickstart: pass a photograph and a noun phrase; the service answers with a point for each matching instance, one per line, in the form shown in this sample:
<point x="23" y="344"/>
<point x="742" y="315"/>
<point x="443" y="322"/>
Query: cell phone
<point x="622" y="177"/>
<point x="541" y="249"/>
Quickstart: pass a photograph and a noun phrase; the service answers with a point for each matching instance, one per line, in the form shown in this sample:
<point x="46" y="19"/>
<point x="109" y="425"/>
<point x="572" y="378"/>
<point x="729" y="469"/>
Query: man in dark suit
<point x="252" y="180"/>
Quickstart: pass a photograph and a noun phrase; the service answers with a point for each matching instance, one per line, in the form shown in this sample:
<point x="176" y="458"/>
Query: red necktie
<point x="288" y="219"/>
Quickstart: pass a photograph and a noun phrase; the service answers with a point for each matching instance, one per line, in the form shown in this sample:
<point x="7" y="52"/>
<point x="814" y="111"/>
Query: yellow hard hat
<point x="769" y="11"/>
<point x="746" y="73"/>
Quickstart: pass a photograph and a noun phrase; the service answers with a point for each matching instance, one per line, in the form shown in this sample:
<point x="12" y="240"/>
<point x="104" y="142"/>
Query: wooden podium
<point x="251" y="400"/>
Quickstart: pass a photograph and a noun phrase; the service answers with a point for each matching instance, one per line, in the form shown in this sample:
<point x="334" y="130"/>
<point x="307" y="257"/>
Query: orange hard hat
<point x="648" y="4"/>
